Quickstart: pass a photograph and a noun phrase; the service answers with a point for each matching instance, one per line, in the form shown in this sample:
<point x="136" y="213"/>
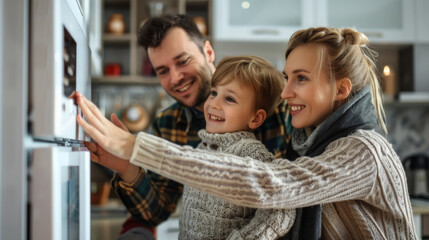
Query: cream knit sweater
<point x="203" y="216"/>
<point x="359" y="180"/>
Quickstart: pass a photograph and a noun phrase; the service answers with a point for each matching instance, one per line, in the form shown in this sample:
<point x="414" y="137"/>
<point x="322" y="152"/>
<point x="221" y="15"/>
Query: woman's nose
<point x="287" y="92"/>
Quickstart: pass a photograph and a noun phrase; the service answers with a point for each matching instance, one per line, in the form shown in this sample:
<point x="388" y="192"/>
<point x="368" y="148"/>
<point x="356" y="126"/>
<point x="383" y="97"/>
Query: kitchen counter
<point x="420" y="208"/>
<point x="107" y="220"/>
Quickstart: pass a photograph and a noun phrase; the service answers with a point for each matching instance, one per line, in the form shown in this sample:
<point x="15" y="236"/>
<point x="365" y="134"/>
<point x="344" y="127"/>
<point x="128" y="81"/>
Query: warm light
<point x="245" y="4"/>
<point x="386" y="71"/>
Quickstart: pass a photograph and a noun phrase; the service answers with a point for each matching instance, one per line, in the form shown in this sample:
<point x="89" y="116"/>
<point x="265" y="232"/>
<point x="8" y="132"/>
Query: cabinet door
<point x="390" y="21"/>
<point x="422" y="20"/>
<point x="273" y="20"/>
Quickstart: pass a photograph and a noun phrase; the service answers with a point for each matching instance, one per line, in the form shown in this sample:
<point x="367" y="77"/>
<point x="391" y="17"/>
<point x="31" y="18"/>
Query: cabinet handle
<point x="373" y="34"/>
<point x="265" y="32"/>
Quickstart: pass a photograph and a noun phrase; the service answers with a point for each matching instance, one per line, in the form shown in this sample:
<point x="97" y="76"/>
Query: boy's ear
<point x="258" y="119"/>
<point x="344" y="87"/>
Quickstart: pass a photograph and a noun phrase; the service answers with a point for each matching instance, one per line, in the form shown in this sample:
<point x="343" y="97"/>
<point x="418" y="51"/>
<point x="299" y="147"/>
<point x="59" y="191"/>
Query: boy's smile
<point x="229" y="108"/>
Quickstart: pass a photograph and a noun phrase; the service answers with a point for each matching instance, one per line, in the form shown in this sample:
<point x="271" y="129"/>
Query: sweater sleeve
<point x="347" y="170"/>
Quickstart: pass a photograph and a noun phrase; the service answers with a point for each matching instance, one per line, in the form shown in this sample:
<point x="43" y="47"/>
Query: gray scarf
<point x="357" y="113"/>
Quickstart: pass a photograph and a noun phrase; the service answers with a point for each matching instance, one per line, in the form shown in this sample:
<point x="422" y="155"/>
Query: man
<point x="184" y="64"/>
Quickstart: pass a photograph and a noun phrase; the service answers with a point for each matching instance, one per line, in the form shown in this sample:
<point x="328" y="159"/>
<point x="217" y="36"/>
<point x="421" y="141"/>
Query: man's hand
<point x="101" y="156"/>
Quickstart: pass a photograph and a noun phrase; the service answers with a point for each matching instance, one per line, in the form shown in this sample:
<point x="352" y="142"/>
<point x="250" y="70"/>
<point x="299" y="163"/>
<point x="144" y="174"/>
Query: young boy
<point x="245" y="91"/>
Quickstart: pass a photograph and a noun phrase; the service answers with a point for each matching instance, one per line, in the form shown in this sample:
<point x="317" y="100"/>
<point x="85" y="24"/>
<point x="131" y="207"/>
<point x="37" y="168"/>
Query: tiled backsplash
<point x="408" y="128"/>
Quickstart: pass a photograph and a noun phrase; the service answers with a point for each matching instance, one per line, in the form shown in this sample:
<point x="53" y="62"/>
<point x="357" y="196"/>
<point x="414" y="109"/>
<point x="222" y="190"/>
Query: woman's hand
<point x="110" y="137"/>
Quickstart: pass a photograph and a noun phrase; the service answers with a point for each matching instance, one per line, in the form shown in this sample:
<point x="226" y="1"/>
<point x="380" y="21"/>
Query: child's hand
<point x="110" y="137"/>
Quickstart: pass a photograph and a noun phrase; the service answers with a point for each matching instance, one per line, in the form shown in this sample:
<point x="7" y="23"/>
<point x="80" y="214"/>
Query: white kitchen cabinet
<point x="250" y="20"/>
<point x="422" y="20"/>
<point x="383" y="21"/>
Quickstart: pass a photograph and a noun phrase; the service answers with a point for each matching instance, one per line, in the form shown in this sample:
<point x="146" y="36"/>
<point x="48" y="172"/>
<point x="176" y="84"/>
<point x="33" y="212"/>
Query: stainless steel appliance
<point x="417" y="172"/>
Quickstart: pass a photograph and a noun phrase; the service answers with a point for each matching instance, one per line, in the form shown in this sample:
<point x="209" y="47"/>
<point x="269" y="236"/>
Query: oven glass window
<point x="70" y="202"/>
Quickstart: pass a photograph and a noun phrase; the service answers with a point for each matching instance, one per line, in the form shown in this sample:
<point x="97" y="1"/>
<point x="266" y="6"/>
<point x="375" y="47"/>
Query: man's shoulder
<point x="274" y="132"/>
<point x="173" y="124"/>
<point x="170" y="110"/>
<point x="278" y="118"/>
<point x="172" y="117"/>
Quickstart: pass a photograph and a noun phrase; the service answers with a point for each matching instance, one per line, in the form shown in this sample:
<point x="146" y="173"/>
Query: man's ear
<point x="258" y="119"/>
<point x="344" y="87"/>
<point x="208" y="51"/>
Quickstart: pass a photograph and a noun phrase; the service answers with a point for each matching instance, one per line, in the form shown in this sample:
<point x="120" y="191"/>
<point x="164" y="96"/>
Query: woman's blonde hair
<point x="347" y="55"/>
<point x="255" y="72"/>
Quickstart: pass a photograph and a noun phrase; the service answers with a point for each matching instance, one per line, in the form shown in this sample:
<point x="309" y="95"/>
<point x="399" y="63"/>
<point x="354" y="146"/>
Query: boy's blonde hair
<point x="255" y="72"/>
<point x="347" y="55"/>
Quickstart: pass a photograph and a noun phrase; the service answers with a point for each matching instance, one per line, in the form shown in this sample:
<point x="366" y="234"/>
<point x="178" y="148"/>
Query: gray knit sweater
<point x="203" y="216"/>
<point x="359" y="180"/>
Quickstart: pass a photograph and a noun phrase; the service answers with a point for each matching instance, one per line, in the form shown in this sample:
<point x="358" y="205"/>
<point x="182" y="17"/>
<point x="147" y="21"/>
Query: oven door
<point x="60" y="194"/>
<point x="60" y="64"/>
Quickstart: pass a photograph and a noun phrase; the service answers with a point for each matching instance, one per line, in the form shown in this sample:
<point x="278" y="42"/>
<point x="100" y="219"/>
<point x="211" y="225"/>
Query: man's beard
<point x="205" y="75"/>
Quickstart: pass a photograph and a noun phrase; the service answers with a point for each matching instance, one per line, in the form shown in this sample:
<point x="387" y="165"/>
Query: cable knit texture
<point x="359" y="180"/>
<point x="203" y="216"/>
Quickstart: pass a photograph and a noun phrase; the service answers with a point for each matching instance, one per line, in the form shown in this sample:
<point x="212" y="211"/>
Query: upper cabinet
<point x="383" y="21"/>
<point x="255" y="20"/>
<point x="422" y="20"/>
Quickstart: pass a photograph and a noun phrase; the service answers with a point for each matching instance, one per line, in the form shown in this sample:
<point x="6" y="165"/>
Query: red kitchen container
<point x="112" y="69"/>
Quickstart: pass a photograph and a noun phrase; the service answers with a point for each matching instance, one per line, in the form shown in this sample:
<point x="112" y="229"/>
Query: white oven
<point x="59" y="164"/>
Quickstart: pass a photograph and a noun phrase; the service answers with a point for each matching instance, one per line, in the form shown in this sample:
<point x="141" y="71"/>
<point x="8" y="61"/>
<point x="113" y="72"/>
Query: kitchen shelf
<point x="123" y="49"/>
<point x="113" y="38"/>
<point x="128" y="79"/>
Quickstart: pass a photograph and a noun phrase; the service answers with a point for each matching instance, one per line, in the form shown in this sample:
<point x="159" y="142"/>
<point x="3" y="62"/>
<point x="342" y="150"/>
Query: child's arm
<point x="266" y="224"/>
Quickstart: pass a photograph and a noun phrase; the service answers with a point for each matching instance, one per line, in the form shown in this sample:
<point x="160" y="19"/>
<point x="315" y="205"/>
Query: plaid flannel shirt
<point x="151" y="198"/>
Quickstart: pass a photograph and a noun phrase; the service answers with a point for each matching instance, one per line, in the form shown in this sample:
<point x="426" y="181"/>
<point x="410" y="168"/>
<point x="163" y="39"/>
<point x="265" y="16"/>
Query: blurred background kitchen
<point x="123" y="81"/>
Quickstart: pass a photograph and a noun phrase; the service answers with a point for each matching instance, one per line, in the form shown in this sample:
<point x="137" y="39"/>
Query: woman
<point x="341" y="161"/>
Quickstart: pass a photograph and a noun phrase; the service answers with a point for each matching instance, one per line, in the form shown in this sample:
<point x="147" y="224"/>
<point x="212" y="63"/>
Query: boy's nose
<point x="215" y="103"/>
